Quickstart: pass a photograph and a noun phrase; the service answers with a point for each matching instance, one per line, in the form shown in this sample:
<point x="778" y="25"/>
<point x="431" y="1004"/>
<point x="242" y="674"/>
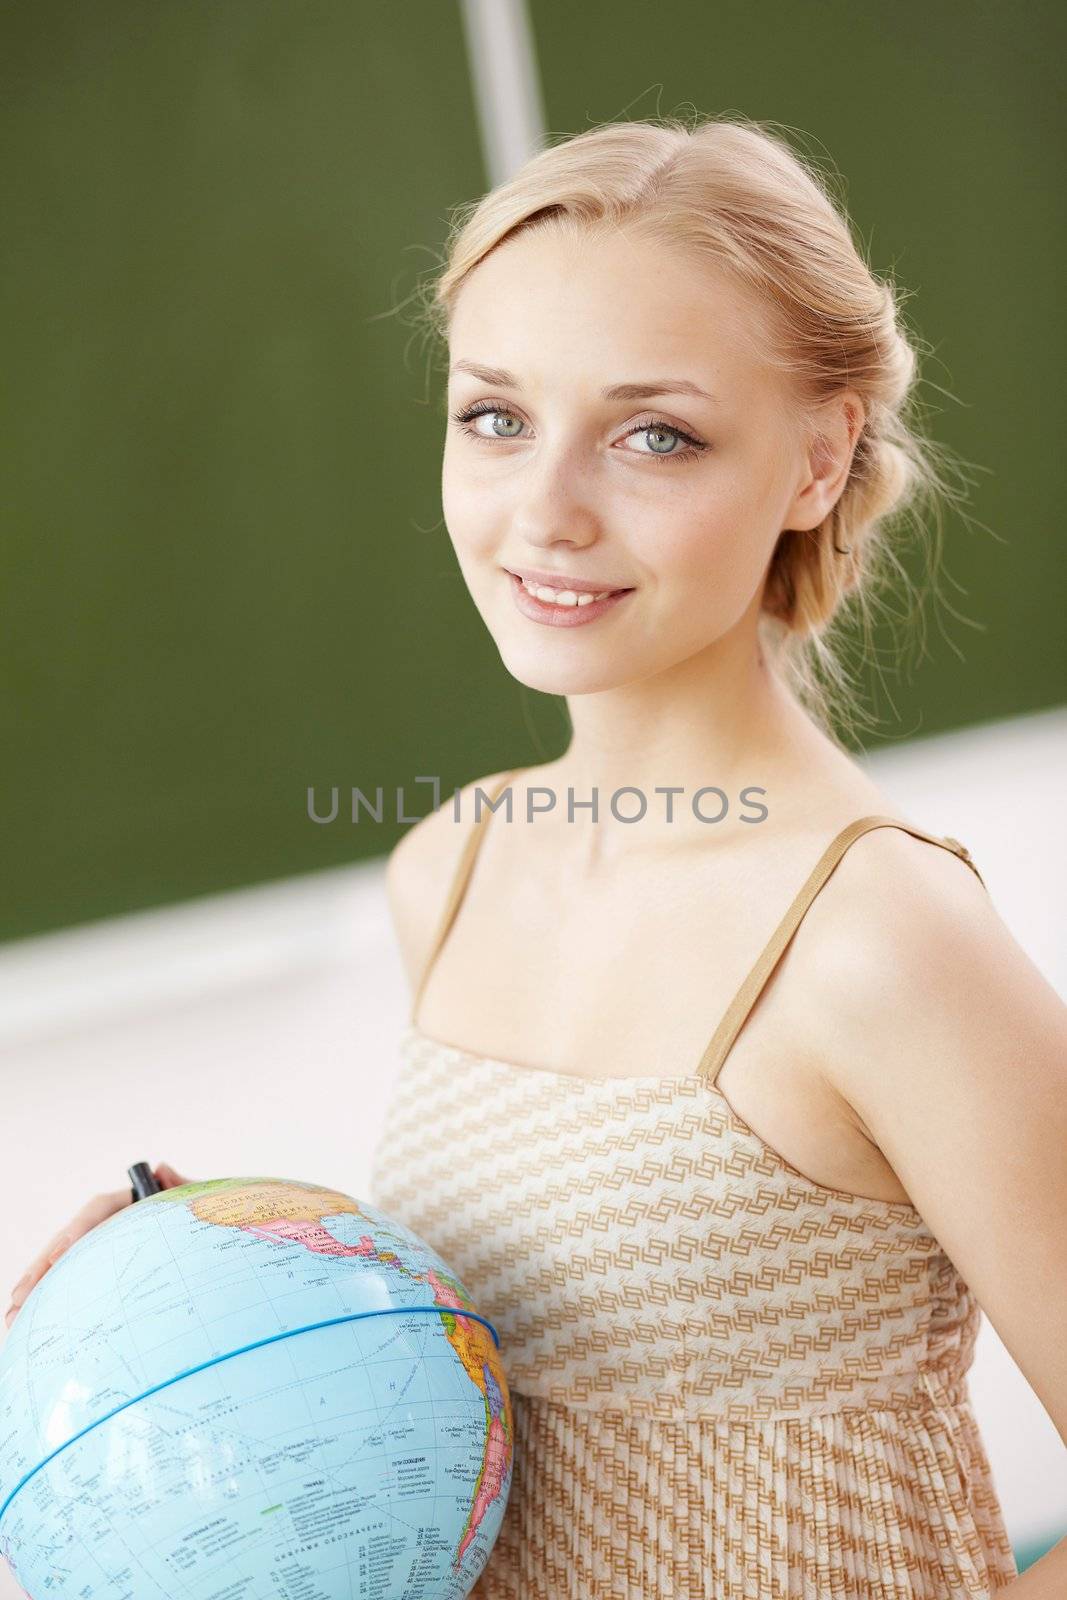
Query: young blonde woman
<point x="730" y="1126"/>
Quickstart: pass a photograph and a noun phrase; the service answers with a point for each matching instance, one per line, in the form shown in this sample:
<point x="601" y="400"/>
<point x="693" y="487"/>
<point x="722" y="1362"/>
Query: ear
<point x="829" y="443"/>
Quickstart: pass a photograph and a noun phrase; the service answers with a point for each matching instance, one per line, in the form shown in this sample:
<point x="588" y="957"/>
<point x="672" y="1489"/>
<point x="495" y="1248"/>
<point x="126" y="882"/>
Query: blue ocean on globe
<point x="251" y="1389"/>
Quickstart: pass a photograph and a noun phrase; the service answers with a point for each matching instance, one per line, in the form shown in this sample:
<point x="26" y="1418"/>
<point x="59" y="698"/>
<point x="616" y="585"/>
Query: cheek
<point x="730" y="527"/>
<point x="698" y="544"/>
<point x="459" y="507"/>
<point x="708" y="563"/>
<point x="469" y="511"/>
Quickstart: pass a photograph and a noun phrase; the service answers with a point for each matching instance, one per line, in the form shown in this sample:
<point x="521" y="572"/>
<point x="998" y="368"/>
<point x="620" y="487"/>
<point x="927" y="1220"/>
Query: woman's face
<point x="677" y="497"/>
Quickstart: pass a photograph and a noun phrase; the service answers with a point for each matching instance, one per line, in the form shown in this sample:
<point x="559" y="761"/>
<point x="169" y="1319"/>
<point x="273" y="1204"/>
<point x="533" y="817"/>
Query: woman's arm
<point x="951" y="1049"/>
<point x="1045" y="1580"/>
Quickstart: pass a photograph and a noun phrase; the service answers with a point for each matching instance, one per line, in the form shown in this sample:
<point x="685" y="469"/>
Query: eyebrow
<point x="619" y="391"/>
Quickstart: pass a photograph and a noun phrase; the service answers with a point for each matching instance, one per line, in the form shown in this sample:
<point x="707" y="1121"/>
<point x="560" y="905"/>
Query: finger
<point x="22" y="1288"/>
<point x="39" y="1266"/>
<point x="169" y="1178"/>
<point x="26" y="1283"/>
<point x="95" y="1211"/>
<point x="36" y="1271"/>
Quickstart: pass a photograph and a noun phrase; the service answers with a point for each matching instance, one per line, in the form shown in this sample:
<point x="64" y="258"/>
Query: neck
<point x="722" y="720"/>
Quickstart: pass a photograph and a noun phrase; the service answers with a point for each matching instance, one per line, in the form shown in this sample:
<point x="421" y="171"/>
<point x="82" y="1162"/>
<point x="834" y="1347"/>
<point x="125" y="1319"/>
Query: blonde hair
<point x="734" y="193"/>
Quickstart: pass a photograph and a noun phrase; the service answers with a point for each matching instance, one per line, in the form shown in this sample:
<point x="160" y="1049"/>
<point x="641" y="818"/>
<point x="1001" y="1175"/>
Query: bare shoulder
<point x="420" y="869"/>
<point x="906" y="942"/>
<point x="950" y="1047"/>
<point x="929" y="1002"/>
<point x="885" y="880"/>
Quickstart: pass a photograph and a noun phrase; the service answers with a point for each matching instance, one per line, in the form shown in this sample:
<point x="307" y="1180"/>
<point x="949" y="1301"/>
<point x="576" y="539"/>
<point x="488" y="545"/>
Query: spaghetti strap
<point x="749" y="992"/>
<point x="459" y="882"/>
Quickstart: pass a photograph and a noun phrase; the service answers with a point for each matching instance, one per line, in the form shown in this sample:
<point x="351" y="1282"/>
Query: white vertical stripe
<point x="505" y="82"/>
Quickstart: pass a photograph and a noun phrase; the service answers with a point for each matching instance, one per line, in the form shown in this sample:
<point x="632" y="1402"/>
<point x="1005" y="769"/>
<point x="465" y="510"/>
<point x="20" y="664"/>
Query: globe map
<point x="251" y="1389"/>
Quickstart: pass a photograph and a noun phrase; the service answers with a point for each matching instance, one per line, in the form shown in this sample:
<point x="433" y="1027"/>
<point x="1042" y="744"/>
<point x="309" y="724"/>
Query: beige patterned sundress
<point x="729" y="1382"/>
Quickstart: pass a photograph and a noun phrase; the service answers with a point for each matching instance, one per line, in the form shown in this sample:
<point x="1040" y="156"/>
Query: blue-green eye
<point x="466" y="417"/>
<point x="483" y="409"/>
<point x="661" y="428"/>
<point x="486" y="408"/>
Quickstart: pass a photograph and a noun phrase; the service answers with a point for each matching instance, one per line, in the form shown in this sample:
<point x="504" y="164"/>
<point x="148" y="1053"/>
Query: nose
<point x="555" y="511"/>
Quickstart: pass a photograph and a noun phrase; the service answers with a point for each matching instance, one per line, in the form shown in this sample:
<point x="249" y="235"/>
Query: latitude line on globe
<point x="228" y="1355"/>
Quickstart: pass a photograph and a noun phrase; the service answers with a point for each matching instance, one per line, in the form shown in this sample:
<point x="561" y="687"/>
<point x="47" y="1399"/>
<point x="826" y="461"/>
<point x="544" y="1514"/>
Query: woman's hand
<point x="95" y="1211"/>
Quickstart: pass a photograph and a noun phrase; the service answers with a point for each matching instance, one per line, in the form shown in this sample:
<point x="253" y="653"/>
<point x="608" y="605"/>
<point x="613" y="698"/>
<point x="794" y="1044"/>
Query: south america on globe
<point x="251" y="1389"/>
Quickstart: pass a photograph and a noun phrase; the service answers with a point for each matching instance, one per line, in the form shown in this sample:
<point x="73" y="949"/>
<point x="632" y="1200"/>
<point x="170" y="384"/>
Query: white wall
<point x="257" y="1032"/>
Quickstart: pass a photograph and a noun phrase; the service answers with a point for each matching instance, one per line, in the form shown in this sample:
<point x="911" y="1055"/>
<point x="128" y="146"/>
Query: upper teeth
<point x="563" y="597"/>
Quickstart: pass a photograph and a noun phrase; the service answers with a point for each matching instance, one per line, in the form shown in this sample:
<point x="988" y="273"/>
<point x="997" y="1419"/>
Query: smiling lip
<point x="560" y="582"/>
<point x="562" y="616"/>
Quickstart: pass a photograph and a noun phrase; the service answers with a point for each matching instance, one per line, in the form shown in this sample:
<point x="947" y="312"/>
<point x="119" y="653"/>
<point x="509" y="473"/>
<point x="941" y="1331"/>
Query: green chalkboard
<point x="225" y="576"/>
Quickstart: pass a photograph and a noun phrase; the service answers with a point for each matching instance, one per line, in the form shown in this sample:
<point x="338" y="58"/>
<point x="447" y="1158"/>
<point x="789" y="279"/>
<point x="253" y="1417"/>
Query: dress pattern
<point x="729" y="1382"/>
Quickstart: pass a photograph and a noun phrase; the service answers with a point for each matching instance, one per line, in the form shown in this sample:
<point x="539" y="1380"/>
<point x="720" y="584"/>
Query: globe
<point x="251" y="1389"/>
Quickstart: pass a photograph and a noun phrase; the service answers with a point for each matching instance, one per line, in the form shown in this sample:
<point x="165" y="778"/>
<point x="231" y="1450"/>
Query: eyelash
<point x="484" y="408"/>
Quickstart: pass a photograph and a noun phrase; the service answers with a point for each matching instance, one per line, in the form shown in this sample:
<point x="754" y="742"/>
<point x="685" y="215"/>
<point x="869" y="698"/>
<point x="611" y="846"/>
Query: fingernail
<point x="18" y="1293"/>
<point x="10" y="1314"/>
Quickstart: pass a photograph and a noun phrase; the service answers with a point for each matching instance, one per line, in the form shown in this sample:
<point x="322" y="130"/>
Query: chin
<point x="562" y="678"/>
